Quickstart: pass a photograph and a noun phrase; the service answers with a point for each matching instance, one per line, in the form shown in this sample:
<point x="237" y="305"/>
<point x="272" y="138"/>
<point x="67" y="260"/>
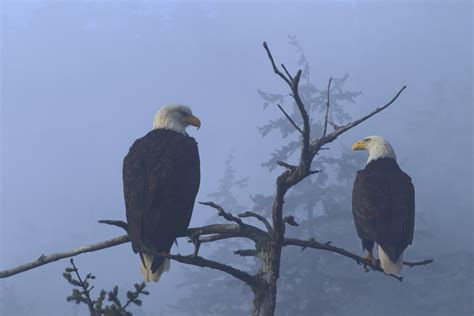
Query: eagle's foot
<point x="371" y="259"/>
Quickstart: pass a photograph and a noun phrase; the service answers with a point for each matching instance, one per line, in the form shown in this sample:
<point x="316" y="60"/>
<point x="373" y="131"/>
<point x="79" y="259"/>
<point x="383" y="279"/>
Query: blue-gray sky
<point x="81" y="80"/>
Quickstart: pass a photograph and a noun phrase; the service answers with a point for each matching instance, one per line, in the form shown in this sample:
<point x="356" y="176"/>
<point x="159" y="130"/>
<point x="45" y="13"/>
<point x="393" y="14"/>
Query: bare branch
<point x="304" y="116"/>
<point x="197" y="245"/>
<point x="117" y="223"/>
<point x="290" y="119"/>
<point x="328" y="247"/>
<point x="333" y="125"/>
<point x="247" y="231"/>
<point x="327" y="109"/>
<point x="287" y="72"/>
<point x="192" y="260"/>
<point x="216" y="237"/>
<point x="246" y="252"/>
<point x="342" y="129"/>
<point x="42" y="260"/>
<point x="222" y="231"/>
<point x="286" y="165"/>
<point x="259" y="217"/>
<point x="206" y="263"/>
<point x="275" y="69"/>
<point x="227" y="216"/>
<point x="419" y="263"/>
<point x="290" y="220"/>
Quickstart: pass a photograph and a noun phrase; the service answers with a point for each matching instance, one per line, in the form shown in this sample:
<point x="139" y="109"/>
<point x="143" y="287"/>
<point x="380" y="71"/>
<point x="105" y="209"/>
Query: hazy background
<point x="81" y="80"/>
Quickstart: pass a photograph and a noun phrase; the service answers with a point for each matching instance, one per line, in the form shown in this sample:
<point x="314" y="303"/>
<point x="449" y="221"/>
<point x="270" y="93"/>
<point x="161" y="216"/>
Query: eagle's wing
<point x="161" y="179"/>
<point x="383" y="206"/>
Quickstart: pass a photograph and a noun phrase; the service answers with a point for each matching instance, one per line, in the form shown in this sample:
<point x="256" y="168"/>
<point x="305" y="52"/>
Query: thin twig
<point x="286" y="165"/>
<point x="327" y="109"/>
<point x="221" y="212"/>
<point x="333" y="125"/>
<point x="246" y="252"/>
<point x="275" y="69"/>
<point x="419" y="263"/>
<point x="117" y="223"/>
<point x="290" y="220"/>
<point x="290" y="119"/>
<point x="259" y="217"/>
<point x="287" y="72"/>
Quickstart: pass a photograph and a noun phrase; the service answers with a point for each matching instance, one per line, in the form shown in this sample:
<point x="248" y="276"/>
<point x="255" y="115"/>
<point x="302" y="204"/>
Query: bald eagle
<point x="161" y="175"/>
<point x="383" y="204"/>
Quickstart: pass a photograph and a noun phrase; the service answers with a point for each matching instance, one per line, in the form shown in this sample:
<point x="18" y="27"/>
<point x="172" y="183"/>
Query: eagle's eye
<point x="367" y="140"/>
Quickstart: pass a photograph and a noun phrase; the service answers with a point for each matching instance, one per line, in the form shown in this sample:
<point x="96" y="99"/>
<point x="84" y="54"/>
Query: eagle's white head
<point x="377" y="147"/>
<point x="175" y="117"/>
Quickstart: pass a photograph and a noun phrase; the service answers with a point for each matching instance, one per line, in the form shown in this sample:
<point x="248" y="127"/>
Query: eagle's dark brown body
<point x="383" y="206"/>
<point x="161" y="175"/>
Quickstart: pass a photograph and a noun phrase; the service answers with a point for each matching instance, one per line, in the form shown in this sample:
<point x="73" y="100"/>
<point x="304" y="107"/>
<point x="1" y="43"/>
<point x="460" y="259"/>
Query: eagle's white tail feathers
<point x="388" y="265"/>
<point x="146" y="271"/>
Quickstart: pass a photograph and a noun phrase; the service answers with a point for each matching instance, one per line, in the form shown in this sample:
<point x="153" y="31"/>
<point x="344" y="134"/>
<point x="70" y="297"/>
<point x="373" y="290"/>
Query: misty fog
<point x="81" y="80"/>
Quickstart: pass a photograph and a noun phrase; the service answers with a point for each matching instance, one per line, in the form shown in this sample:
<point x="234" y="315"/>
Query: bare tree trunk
<point x="265" y="289"/>
<point x="264" y="300"/>
<point x="92" y="311"/>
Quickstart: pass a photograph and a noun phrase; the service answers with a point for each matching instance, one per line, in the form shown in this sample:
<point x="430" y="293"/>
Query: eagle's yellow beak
<point x="194" y="121"/>
<point x="360" y="145"/>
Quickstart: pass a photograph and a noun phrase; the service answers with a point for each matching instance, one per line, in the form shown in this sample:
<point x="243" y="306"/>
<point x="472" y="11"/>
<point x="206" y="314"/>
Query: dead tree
<point x="270" y="240"/>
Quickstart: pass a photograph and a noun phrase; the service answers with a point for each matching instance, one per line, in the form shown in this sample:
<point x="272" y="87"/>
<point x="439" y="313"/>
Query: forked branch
<point x="318" y="144"/>
<point x="312" y="243"/>
<point x="342" y="129"/>
<point x="275" y="68"/>
<point x="293" y="83"/>
<point x="221" y="212"/>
